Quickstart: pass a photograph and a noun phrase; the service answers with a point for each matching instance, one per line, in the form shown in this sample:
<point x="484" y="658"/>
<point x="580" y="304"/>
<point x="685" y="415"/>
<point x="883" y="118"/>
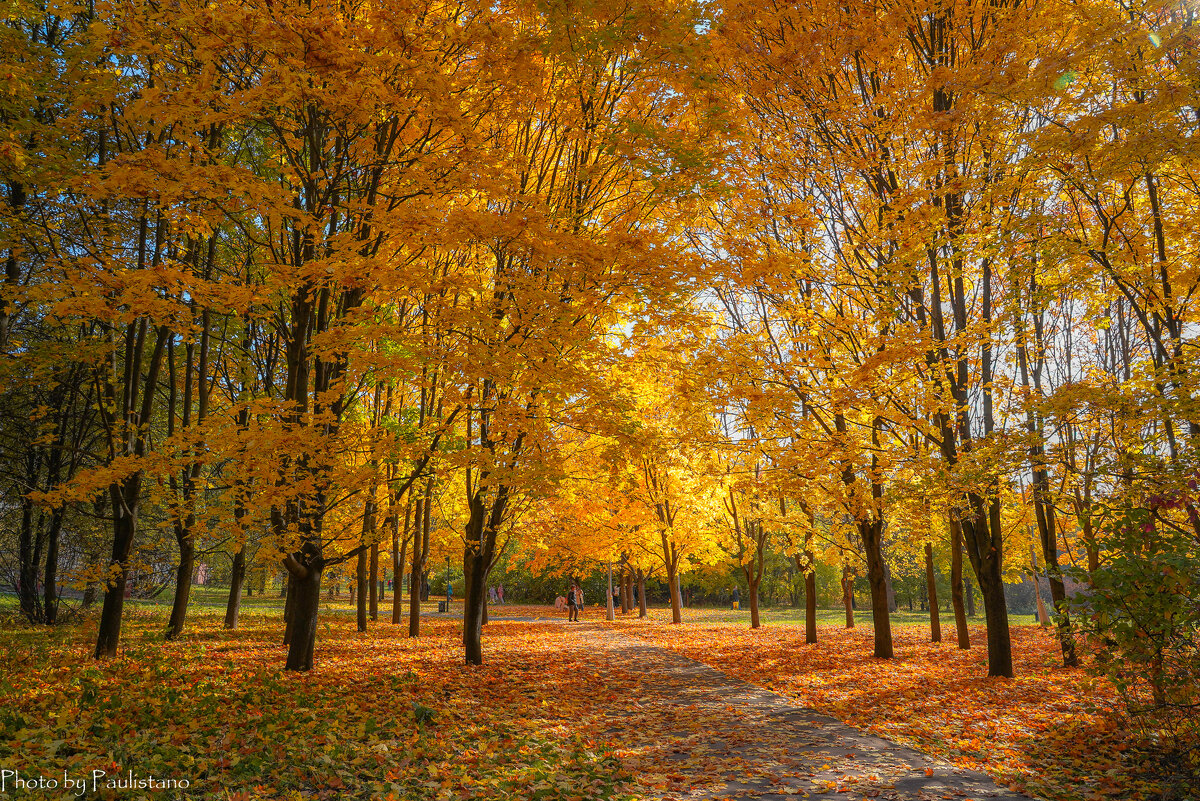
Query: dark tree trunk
<point x="237" y="577"/>
<point x="373" y="600"/>
<point x="848" y="595"/>
<point x="956" y="584"/>
<point x="29" y="554"/>
<point x="50" y="582"/>
<point x="641" y="593"/>
<point x="183" y="583"/>
<point x="360" y="580"/>
<point x="420" y="552"/>
<point x="475" y="568"/>
<point x="871" y="534"/>
<point x="399" y="551"/>
<point x="125" y="503"/>
<point x="984" y="546"/>
<point x="810" y="604"/>
<point x="676" y="597"/>
<point x="307" y="592"/>
<point x="289" y="606"/>
<point x="754" y="619"/>
<point x="935" y="624"/>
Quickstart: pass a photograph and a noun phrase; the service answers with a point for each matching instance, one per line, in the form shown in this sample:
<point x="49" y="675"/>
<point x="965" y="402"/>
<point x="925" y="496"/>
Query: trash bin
<point x="441" y="606"/>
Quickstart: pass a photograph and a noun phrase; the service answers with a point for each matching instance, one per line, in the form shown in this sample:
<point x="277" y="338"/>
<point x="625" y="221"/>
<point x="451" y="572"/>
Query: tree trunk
<point x="984" y="543"/>
<point x="810" y="602"/>
<point x="475" y="568"/>
<point x="183" y="581"/>
<point x="871" y="533"/>
<point x="753" y="588"/>
<point x="289" y="606"/>
<point x="420" y="552"/>
<point x="50" y="582"/>
<point x="1044" y="512"/>
<point x="237" y="576"/>
<point x="848" y="595"/>
<point x="307" y="592"/>
<point x="399" y="549"/>
<point x="935" y="624"/>
<point x="360" y="583"/>
<point x="373" y="601"/>
<point x="676" y="599"/>
<point x="641" y="584"/>
<point x="956" y="584"/>
<point x="125" y="503"/>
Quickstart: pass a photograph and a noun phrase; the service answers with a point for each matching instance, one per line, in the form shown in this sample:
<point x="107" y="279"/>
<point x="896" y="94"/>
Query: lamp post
<point x="447" y="584"/>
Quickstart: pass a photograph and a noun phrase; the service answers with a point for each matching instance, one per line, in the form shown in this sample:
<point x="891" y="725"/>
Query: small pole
<point x="609" y="615"/>
<point x="447" y="584"/>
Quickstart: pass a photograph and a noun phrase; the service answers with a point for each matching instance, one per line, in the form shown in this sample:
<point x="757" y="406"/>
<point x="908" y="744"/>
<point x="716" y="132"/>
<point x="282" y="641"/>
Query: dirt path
<point x="695" y="733"/>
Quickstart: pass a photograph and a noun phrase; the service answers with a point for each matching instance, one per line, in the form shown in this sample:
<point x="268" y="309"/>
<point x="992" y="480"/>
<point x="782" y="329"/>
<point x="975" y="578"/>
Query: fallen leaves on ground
<point x="214" y="709"/>
<point x="1051" y="731"/>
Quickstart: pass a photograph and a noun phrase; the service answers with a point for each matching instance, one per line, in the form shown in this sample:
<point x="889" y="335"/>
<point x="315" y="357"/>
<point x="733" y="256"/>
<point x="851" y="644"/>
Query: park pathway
<point x="695" y="733"/>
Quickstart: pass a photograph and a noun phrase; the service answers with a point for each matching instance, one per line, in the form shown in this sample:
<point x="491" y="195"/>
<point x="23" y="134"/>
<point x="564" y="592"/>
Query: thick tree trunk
<point x="50" y="582"/>
<point x="871" y="534"/>
<point x="307" y="592"/>
<point x="810" y="603"/>
<point x="474" y="565"/>
<point x="984" y="544"/>
<point x="641" y="593"/>
<point x="237" y="577"/>
<point x="956" y="584"/>
<point x="373" y="601"/>
<point x="125" y="504"/>
<point x="28" y="553"/>
<point x="848" y="595"/>
<point x="676" y="599"/>
<point x="360" y="581"/>
<point x="935" y="624"/>
<point x="183" y="581"/>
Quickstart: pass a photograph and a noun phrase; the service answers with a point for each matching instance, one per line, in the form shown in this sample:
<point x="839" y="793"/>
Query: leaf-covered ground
<point x="1050" y="732"/>
<point x="215" y="710"/>
<point x="549" y="716"/>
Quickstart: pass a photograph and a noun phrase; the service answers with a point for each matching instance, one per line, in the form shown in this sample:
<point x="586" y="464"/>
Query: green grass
<point x="208" y="599"/>
<point x="836" y="616"/>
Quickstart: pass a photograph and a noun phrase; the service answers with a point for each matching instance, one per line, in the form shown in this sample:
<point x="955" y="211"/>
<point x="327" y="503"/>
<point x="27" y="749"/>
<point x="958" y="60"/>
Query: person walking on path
<point x="574" y="601"/>
<point x="500" y="593"/>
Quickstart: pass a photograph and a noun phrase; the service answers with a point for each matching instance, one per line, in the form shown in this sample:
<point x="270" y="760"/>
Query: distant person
<point x="500" y="592"/>
<point x="574" y="596"/>
<point x="737" y="599"/>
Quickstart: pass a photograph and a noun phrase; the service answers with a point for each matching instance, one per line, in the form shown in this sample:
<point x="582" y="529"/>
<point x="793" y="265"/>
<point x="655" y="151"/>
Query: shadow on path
<point x="695" y="733"/>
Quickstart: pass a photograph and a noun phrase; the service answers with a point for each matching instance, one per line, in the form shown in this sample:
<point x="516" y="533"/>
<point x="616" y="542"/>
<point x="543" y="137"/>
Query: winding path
<point x="731" y="739"/>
